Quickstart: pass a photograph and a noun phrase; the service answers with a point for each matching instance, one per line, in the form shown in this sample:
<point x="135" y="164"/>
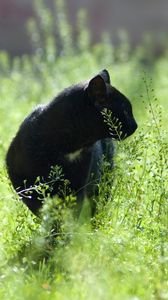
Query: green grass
<point x="122" y="253"/>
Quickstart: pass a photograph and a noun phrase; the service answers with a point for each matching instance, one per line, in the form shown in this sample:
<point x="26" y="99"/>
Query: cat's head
<point x="108" y="100"/>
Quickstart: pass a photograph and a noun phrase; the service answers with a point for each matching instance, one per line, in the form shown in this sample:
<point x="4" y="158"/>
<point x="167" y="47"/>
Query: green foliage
<point x="113" y="123"/>
<point x="122" y="253"/>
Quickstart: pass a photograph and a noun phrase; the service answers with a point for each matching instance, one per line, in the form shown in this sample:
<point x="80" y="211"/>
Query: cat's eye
<point x="126" y="113"/>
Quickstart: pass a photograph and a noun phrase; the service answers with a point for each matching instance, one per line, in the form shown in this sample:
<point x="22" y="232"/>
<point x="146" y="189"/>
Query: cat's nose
<point x="135" y="125"/>
<point x="132" y="127"/>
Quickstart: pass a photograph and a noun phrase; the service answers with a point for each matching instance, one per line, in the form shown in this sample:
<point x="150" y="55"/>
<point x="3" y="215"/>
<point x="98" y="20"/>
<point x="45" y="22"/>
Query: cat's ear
<point x="97" y="90"/>
<point x="105" y="75"/>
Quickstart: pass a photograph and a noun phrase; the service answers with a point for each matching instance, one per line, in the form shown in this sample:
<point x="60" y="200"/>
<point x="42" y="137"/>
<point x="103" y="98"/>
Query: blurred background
<point x="138" y="18"/>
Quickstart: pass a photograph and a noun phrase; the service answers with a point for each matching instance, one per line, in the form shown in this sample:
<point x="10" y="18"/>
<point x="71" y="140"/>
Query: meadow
<point x="122" y="252"/>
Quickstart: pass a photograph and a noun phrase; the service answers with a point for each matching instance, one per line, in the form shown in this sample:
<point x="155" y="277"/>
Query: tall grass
<point x="121" y="253"/>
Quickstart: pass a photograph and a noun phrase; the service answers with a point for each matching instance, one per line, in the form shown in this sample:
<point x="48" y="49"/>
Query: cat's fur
<point x="69" y="131"/>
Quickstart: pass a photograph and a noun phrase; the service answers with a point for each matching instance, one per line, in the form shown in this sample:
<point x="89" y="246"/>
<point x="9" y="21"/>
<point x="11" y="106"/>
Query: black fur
<point x="72" y="121"/>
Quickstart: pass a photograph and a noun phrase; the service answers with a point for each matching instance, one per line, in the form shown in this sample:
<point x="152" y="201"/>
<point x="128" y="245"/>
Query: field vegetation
<point x="121" y="253"/>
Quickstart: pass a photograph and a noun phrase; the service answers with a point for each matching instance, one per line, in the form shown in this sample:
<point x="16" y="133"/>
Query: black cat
<point x="70" y="132"/>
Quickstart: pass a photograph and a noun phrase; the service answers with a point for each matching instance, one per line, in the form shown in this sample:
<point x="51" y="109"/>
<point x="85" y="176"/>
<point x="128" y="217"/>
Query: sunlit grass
<point x="122" y="253"/>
